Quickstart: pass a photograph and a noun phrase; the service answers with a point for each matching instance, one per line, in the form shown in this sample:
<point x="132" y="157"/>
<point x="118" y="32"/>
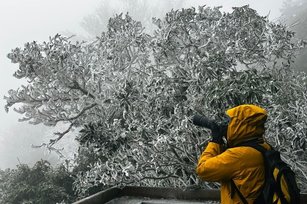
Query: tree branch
<point x="60" y="135"/>
<point x="77" y="86"/>
<point x="78" y="115"/>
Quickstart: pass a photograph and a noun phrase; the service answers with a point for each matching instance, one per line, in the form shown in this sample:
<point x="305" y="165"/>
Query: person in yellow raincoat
<point x="243" y="165"/>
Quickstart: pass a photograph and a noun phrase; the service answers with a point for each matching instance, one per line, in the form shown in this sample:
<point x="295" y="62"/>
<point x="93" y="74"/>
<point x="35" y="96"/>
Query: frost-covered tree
<point x="133" y="93"/>
<point x="79" y="83"/>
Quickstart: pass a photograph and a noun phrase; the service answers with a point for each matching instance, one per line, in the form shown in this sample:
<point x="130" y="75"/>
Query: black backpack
<point x="280" y="183"/>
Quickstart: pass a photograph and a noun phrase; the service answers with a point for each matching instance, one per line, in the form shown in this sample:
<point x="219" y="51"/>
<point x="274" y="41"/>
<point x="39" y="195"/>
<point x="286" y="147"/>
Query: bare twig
<point x="60" y="135"/>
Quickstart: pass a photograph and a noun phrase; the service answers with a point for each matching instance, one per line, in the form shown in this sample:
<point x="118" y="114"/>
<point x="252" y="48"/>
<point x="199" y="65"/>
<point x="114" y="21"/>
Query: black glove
<point x="218" y="132"/>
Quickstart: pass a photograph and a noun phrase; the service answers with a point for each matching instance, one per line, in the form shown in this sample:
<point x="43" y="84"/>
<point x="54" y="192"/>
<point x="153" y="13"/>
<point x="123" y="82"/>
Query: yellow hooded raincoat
<point x="244" y="165"/>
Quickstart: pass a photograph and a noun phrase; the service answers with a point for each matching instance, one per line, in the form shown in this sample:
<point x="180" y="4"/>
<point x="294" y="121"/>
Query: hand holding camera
<point x="218" y="130"/>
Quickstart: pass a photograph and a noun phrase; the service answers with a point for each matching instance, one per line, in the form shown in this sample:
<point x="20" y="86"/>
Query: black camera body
<point x="205" y="122"/>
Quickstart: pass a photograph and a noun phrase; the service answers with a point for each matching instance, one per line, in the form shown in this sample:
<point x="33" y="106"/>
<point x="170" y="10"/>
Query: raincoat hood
<point x="246" y="123"/>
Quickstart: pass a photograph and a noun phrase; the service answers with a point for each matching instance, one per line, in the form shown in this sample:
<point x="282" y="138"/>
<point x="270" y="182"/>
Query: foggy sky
<point x="23" y="21"/>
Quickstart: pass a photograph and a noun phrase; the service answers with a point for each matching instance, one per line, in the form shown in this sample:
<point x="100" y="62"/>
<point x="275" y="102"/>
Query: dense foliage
<point x="41" y="183"/>
<point x="133" y="93"/>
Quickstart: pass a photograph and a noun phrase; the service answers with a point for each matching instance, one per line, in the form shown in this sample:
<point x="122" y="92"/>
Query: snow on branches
<point x="133" y="93"/>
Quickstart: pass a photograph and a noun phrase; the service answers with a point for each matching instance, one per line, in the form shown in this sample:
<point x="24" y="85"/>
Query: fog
<point x="23" y="21"/>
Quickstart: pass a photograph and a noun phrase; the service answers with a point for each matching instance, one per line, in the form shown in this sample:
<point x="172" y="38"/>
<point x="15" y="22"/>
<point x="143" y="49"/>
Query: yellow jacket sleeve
<point x="216" y="166"/>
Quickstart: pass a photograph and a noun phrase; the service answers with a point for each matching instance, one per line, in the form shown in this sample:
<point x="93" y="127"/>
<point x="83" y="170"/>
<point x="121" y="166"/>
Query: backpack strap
<point x="254" y="145"/>
<point x="258" y="147"/>
<point x="234" y="186"/>
<point x="278" y="184"/>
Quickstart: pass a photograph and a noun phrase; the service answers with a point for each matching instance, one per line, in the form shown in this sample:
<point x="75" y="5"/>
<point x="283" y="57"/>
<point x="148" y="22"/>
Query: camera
<point x="213" y="125"/>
